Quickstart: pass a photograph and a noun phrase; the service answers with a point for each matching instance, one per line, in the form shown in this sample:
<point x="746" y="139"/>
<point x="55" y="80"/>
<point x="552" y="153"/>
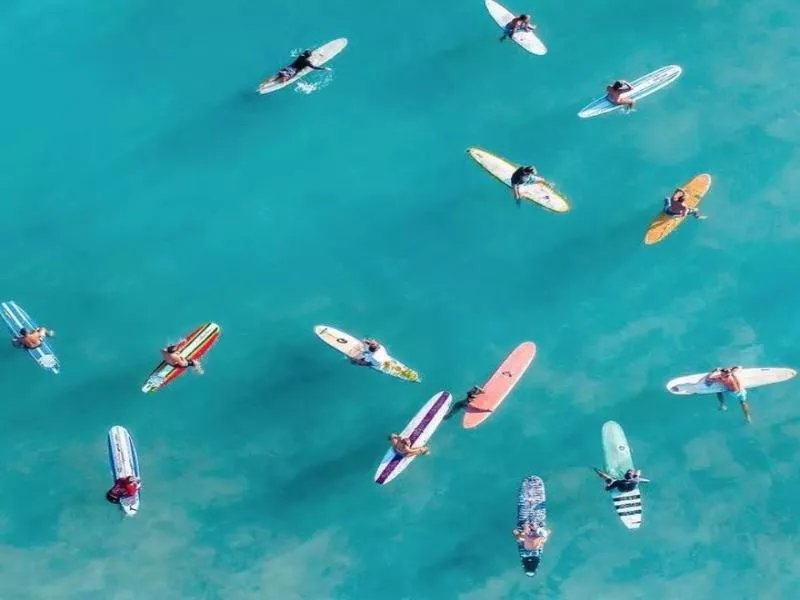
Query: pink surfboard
<point x="500" y="385"/>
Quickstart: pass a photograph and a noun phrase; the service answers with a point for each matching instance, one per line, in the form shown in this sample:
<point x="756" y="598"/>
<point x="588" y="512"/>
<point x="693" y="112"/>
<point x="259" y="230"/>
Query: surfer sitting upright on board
<point x="520" y="23"/>
<point x="675" y="206"/>
<point x="523" y="176"/>
<point x="374" y="354"/>
<point x="30" y="340"/>
<point x="303" y="61"/>
<point x="124" y="487"/>
<point x="733" y="386"/>
<point x="629" y="482"/>
<point x="403" y="448"/>
<point x="532" y="537"/>
<point x="171" y="356"/>
<point x="615" y="91"/>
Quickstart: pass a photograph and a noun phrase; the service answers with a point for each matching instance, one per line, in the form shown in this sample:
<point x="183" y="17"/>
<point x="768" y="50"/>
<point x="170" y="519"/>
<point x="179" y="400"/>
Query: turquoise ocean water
<point x="147" y="189"/>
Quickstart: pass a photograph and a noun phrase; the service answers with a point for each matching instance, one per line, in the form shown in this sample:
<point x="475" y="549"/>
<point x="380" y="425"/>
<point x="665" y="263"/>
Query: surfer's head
<point x="529" y="170"/>
<point x="23" y="331"/>
<point x="170" y="348"/>
<point x="525" y="17"/>
<point x="306" y="53"/>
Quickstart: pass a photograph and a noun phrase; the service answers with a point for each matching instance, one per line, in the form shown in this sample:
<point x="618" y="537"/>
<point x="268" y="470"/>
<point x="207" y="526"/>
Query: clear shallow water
<point x="147" y="190"/>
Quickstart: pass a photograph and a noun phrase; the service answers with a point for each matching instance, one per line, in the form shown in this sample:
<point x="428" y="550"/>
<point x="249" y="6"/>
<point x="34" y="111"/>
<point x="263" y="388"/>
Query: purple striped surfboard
<point x="418" y="432"/>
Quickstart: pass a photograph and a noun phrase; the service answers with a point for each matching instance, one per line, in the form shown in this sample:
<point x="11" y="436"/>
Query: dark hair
<point x="530" y="564"/>
<point x="23" y="331"/>
<point x="307" y="53"/>
<point x="170" y="348"/>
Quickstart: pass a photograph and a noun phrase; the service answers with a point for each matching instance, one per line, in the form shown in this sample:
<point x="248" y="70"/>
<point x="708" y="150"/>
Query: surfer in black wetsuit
<point x="523" y="176"/>
<point x="303" y="61"/>
<point x="630" y="481"/>
<point x="675" y="206"/>
<point x="474" y="391"/>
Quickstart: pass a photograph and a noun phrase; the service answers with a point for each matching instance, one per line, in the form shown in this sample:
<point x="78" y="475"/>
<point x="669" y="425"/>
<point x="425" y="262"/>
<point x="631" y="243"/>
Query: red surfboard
<point x="499" y="385"/>
<point x="192" y="347"/>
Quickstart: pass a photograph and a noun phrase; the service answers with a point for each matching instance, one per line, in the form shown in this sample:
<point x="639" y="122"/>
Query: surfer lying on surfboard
<point x="404" y="448"/>
<point x="303" y="61"/>
<point x="124" y="487"/>
<point x="675" y="206"/>
<point x="615" y="91"/>
<point x="520" y="23"/>
<point x="629" y="482"/>
<point x="532" y="537"/>
<point x="174" y="359"/>
<point x="475" y="391"/>
<point x="30" y="340"/>
<point x="524" y="176"/>
<point x="733" y="387"/>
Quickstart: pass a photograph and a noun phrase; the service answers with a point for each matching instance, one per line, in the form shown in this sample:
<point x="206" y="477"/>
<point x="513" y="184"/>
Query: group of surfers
<point x="674" y="205"/>
<point x="124" y="487"/>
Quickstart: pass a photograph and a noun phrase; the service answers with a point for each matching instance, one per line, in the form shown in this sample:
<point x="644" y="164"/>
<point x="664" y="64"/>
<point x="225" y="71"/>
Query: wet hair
<point x="524" y="16"/>
<point x="23" y="331"/>
<point x="530" y="564"/>
<point x="306" y="53"/>
<point x="170" y="348"/>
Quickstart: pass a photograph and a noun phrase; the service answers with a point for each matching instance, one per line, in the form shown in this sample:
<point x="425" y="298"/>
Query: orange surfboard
<point x="500" y="385"/>
<point x="664" y="224"/>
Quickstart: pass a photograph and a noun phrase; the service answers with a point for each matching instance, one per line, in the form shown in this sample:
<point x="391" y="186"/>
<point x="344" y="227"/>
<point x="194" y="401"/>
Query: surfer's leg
<point x="721" y="399"/>
<point x="460" y="405"/>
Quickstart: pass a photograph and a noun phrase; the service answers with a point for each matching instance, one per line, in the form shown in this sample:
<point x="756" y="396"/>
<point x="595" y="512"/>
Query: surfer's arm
<point x="644" y="480"/>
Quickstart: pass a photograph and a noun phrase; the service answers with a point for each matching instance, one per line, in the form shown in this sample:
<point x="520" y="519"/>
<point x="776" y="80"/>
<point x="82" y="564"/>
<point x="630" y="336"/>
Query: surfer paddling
<point x="532" y="537"/>
<point x="520" y="23"/>
<point x="124" y="487"/>
<point x="733" y="387"/>
<point x="303" y="61"/>
<point x="466" y="403"/>
<point x="30" y="340"/>
<point x="526" y="175"/>
<point x="675" y="206"/>
<point x="629" y="482"/>
<point x="403" y="447"/>
<point x="172" y="357"/>
<point x="615" y="95"/>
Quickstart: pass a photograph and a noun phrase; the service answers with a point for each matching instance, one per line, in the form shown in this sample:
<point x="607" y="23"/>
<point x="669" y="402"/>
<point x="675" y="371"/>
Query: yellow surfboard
<point x="665" y="224"/>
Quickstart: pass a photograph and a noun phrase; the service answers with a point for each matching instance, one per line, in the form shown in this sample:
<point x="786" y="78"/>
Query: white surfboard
<point x="352" y="347"/>
<point x="418" y="432"/>
<point x="540" y="193"/>
<point x="618" y="460"/>
<point x="318" y="58"/>
<point x="750" y="378"/>
<point x="526" y="39"/>
<point x="124" y="462"/>
<point x="642" y="87"/>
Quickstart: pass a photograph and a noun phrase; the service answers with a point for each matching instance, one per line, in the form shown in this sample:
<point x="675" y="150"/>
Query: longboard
<point x="618" y="460"/>
<point x="527" y="39"/>
<point x="642" y="87"/>
<point x="502" y="170"/>
<point x="192" y="347"/>
<point x="532" y="510"/>
<point x="318" y="58"/>
<point x="418" y="431"/>
<point x="500" y="384"/>
<point x="16" y="318"/>
<point x="352" y="347"/>
<point x="664" y="224"/>
<point x="750" y="378"/>
<point x="124" y="462"/>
